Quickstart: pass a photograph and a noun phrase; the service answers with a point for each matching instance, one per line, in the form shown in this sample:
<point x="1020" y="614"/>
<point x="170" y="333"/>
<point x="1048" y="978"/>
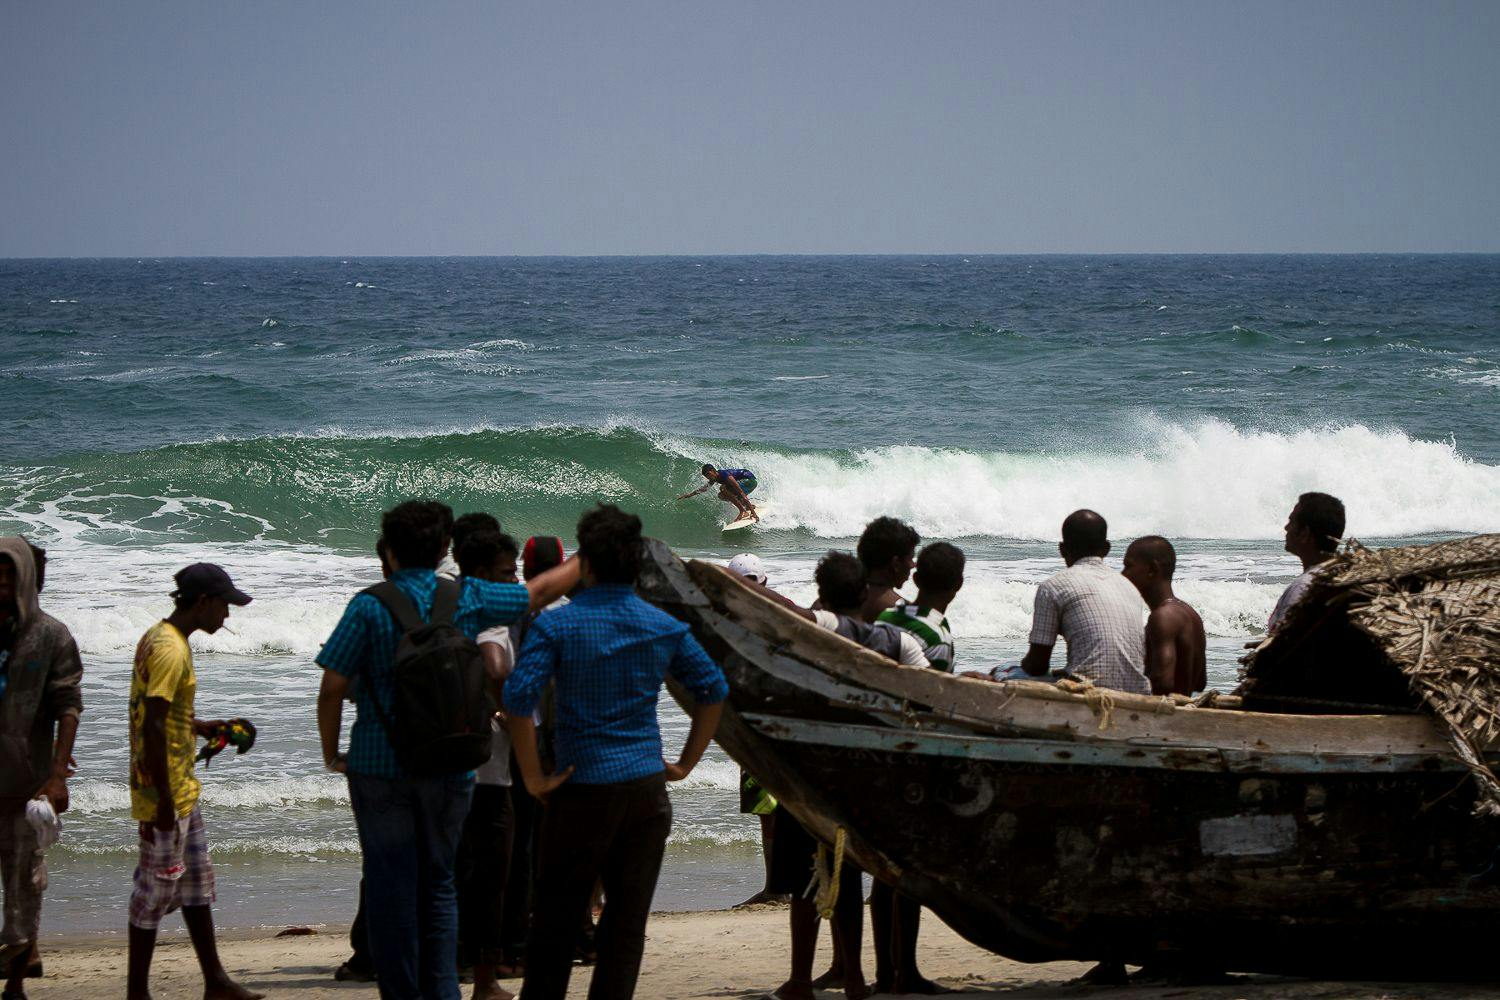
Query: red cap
<point x="542" y="552"/>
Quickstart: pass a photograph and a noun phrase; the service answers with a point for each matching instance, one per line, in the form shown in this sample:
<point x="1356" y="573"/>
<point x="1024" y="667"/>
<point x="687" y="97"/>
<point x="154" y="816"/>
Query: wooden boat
<point x="1042" y="824"/>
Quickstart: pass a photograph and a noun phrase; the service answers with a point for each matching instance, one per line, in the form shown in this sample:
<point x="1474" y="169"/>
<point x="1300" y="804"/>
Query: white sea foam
<point x="218" y="847"/>
<point x="519" y="345"/>
<point x="1208" y="480"/>
<point x="94" y="796"/>
<point x="1482" y="376"/>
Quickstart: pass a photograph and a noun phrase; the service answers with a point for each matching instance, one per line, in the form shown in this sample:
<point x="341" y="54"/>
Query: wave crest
<point x="1206" y="480"/>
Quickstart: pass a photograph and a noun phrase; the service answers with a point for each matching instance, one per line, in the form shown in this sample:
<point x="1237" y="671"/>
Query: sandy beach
<point x="721" y="954"/>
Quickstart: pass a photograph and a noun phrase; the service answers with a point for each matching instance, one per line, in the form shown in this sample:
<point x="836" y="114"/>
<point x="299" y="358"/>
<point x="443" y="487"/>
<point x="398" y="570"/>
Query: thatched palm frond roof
<point x="1430" y="611"/>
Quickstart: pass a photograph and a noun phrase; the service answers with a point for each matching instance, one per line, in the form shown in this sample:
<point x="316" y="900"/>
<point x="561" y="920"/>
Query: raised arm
<point x="556" y="582"/>
<point x="785" y="602"/>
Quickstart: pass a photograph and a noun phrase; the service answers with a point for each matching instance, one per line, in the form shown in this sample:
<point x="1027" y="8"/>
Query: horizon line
<point x="749" y="254"/>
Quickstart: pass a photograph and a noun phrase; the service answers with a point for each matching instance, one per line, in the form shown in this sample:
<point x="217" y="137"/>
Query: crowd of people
<point x="1125" y="630"/>
<point x="464" y="677"/>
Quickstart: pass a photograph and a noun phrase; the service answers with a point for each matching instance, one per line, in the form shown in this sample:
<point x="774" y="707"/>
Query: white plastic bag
<point x="44" y="820"/>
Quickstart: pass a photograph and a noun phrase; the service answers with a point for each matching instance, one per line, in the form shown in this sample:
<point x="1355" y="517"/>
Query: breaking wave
<point x="1205" y="480"/>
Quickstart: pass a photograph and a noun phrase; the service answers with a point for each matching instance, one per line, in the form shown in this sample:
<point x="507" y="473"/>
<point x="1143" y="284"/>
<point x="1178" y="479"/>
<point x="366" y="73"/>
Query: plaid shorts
<point x="173" y="871"/>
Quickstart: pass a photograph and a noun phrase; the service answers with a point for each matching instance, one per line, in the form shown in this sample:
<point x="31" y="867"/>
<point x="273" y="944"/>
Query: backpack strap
<point x="444" y="602"/>
<point x="405" y="612"/>
<point x="398" y="604"/>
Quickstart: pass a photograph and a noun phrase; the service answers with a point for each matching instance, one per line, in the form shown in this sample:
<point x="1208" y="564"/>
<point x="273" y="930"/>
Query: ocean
<point x="260" y="413"/>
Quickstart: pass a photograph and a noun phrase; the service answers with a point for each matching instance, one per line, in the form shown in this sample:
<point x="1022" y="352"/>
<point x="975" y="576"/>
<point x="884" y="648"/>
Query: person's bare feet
<point x="833" y="979"/>
<point x="857" y="989"/>
<point x="919" y="986"/>
<point x="494" y="992"/>
<point x="230" y="990"/>
<point x="793" y="990"/>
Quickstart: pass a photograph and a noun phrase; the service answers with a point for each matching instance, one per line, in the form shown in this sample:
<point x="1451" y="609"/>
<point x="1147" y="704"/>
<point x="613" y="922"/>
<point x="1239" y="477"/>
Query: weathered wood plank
<point x="1043" y="709"/>
<point x="1132" y="755"/>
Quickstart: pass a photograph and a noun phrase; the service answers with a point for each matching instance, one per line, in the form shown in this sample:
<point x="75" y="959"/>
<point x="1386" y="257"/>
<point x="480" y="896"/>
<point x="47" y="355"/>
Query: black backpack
<point x="439" y="721"/>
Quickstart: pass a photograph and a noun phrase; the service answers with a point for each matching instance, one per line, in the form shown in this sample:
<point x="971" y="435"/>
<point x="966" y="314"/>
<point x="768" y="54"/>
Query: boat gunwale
<point x="1035" y="709"/>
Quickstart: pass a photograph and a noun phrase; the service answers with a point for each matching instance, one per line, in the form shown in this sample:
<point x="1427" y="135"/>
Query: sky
<point x="699" y="127"/>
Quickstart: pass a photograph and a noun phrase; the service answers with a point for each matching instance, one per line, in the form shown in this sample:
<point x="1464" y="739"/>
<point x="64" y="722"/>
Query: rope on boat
<point x="1100" y="702"/>
<point x="828" y="881"/>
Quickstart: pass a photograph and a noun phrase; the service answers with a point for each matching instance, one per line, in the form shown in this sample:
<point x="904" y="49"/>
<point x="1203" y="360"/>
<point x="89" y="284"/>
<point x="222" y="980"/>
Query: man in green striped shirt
<point x="939" y="576"/>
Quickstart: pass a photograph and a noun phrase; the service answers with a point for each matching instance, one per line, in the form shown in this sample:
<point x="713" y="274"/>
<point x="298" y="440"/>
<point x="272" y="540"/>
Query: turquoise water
<point x="260" y="413"/>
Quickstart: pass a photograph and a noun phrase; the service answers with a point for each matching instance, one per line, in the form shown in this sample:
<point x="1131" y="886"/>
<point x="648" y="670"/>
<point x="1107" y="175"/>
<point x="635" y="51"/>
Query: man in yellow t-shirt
<point x="163" y="670"/>
<point x="173" y="869"/>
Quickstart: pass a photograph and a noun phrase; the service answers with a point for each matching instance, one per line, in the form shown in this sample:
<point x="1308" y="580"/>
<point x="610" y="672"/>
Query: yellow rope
<point x="828" y="881"/>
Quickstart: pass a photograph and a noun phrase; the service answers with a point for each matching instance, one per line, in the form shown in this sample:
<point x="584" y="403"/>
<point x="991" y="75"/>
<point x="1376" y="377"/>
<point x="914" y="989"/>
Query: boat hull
<point x="1344" y="852"/>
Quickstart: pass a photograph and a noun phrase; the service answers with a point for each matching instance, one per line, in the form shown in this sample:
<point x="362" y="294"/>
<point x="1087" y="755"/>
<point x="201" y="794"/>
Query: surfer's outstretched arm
<point x="700" y="489"/>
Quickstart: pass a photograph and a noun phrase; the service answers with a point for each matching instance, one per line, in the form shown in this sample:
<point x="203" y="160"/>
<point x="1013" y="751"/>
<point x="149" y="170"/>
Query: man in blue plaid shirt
<point x="409" y="825"/>
<point x="607" y="812"/>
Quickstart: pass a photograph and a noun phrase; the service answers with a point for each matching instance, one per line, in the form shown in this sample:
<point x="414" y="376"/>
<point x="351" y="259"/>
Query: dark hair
<point x="184" y="602"/>
<point x="1323" y="515"/>
<point x="416" y="532"/>
<point x="940" y="567"/>
<point x="1086" y="533"/>
<point x="708" y="469"/>
<point x="884" y="539"/>
<point x="479" y="550"/>
<point x="542" y="552"/>
<point x="39" y="558"/>
<point x="1156" y="549"/>
<point x="470" y="523"/>
<point x="841" y="581"/>
<point x="610" y="540"/>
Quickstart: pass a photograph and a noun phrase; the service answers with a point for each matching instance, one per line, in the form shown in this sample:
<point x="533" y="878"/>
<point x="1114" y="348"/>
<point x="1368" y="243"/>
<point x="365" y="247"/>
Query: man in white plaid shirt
<point x="1095" y="608"/>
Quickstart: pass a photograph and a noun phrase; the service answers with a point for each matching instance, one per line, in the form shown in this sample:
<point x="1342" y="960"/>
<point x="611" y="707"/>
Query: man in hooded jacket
<point x="40" y="701"/>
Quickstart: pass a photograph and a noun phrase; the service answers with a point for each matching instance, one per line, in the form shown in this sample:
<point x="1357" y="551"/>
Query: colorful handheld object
<point x="239" y="733"/>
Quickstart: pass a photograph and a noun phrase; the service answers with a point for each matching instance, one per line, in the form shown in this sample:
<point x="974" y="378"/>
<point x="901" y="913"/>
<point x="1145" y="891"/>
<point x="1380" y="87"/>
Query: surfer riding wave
<point x="735" y="487"/>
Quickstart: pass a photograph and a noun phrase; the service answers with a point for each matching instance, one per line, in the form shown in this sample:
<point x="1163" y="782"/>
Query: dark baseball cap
<point x="208" y="580"/>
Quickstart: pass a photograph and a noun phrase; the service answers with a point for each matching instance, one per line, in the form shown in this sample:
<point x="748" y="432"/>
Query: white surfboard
<point x="744" y="522"/>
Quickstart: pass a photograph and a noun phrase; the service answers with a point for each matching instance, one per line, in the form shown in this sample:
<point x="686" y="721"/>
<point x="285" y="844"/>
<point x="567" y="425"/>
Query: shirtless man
<point x="1175" y="660"/>
<point x="734" y="485"/>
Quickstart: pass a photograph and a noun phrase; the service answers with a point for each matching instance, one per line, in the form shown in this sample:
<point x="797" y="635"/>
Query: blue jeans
<point x="409" y="830"/>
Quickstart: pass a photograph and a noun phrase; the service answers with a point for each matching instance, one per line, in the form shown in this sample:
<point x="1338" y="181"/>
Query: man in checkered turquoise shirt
<point x="607" y="812"/>
<point x="409" y="825"/>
